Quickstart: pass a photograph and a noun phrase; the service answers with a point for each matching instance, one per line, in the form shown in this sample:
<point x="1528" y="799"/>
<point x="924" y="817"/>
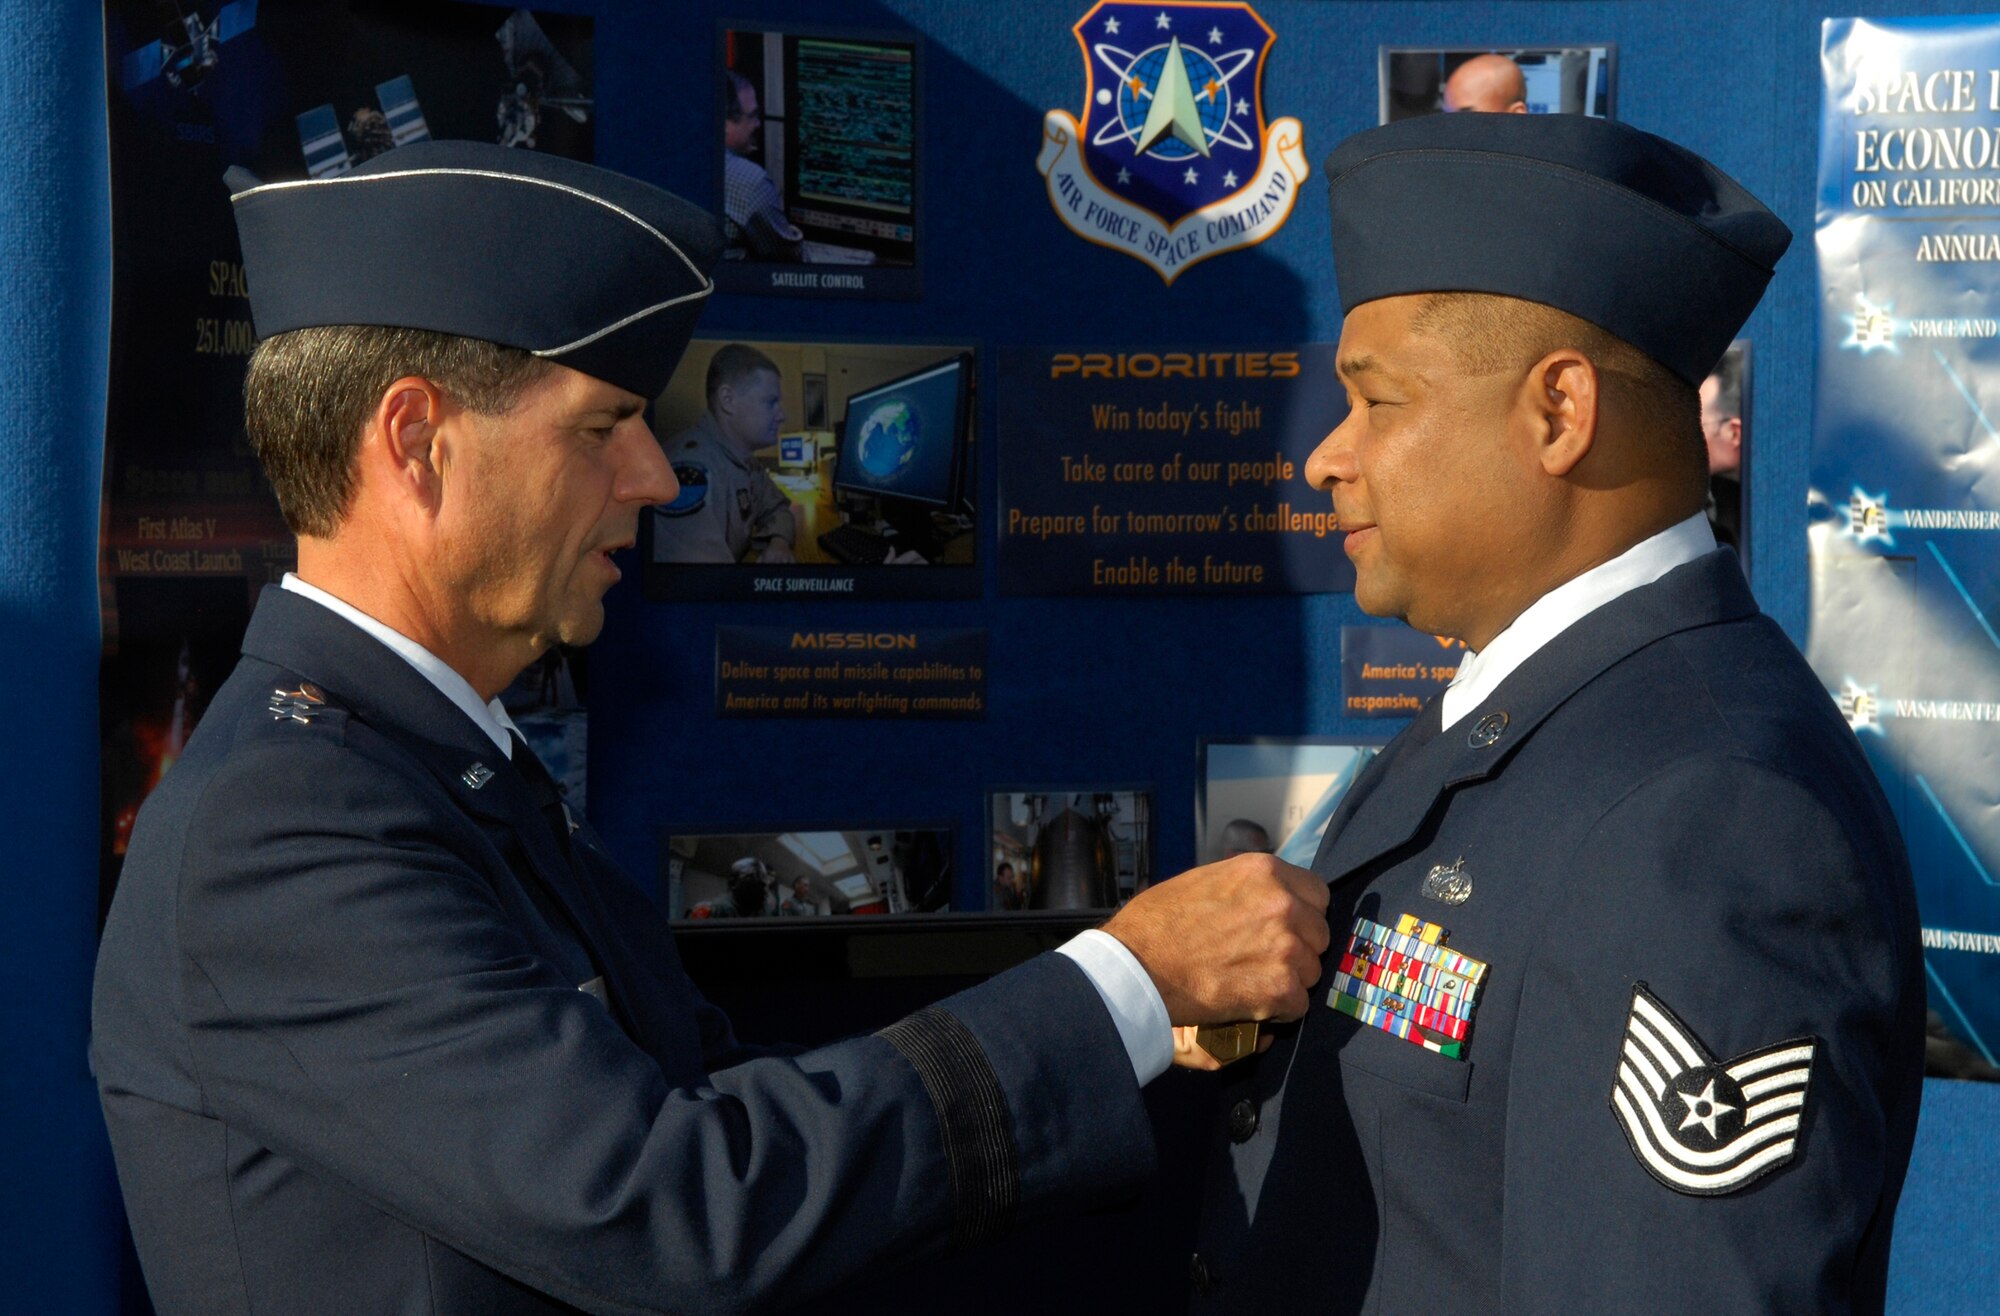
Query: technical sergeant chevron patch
<point x="1700" y="1127"/>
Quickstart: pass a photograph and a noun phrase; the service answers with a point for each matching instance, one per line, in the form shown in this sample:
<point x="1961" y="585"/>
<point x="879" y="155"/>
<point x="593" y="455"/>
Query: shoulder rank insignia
<point x="1406" y="983"/>
<point x="300" y="705"/>
<point x="1701" y="1127"/>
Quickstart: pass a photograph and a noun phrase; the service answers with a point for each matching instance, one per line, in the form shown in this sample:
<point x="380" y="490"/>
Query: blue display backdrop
<point x="1905" y="474"/>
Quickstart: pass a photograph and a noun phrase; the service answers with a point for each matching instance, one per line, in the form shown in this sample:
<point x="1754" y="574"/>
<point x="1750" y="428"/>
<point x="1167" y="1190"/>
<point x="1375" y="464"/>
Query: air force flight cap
<point x="585" y="267"/>
<point x="1616" y="226"/>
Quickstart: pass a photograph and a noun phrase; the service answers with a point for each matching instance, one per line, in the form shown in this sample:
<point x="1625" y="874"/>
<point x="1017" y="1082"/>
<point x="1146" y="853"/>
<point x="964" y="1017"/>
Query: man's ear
<point x="403" y="438"/>
<point x="1563" y="394"/>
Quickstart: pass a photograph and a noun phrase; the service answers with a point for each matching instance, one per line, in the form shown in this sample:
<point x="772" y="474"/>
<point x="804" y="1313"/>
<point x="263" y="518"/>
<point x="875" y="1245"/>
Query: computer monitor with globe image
<point x="901" y="456"/>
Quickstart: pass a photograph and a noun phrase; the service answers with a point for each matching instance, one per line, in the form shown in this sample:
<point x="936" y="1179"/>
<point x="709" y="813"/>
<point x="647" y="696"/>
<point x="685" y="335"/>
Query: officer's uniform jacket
<point x="1661" y="795"/>
<point x="725" y="509"/>
<point x="347" y="1065"/>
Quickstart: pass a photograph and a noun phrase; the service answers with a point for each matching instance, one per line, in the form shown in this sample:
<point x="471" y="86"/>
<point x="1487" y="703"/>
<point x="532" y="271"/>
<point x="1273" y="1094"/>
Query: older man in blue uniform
<point x="1623" y="1011"/>
<point x="377" y="1025"/>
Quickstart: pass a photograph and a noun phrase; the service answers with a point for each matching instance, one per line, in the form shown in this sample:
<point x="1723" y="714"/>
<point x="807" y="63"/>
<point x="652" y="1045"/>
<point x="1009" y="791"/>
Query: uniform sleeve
<point x="1759" y="924"/>
<point x="358" y="1001"/>
<point x="698" y="536"/>
<point x="771" y="518"/>
<point x="771" y="233"/>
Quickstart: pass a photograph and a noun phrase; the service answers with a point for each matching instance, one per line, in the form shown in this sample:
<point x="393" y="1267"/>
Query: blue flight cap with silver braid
<point x="582" y="266"/>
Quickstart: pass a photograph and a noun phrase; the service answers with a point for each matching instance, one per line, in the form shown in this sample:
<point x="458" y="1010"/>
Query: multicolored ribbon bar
<point x="1405" y="982"/>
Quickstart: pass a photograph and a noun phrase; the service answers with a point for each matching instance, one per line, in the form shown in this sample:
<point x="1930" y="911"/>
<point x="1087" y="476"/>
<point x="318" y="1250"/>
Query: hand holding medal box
<point x="1407" y="983"/>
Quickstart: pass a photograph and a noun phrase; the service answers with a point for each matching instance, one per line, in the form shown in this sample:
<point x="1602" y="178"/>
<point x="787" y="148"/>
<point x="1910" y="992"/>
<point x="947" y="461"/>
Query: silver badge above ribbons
<point x="1449" y="883"/>
<point x="1698" y="1126"/>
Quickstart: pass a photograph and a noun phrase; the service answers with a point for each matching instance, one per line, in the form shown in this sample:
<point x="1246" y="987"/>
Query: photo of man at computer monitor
<point x="819" y="163"/>
<point x="831" y="467"/>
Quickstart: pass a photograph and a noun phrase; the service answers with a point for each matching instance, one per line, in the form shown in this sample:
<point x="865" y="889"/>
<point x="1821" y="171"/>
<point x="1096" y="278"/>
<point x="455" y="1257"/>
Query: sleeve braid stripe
<point x="972" y="1117"/>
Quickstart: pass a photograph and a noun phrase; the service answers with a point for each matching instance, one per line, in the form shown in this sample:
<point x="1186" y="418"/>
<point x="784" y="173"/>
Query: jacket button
<point x="1242" y="1122"/>
<point x="1200" y="1276"/>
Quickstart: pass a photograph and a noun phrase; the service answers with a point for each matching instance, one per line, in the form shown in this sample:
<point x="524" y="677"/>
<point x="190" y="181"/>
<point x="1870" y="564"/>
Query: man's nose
<point x="1332" y="462"/>
<point x="647" y="477"/>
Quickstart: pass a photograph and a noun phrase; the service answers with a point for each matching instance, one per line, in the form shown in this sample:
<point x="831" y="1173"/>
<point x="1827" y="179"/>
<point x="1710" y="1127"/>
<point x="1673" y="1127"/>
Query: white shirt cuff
<point x="1128" y="992"/>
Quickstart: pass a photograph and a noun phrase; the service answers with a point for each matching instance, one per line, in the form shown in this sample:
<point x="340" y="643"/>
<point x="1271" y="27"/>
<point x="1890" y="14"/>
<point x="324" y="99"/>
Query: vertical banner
<point x="1905" y="484"/>
<point x="303" y="90"/>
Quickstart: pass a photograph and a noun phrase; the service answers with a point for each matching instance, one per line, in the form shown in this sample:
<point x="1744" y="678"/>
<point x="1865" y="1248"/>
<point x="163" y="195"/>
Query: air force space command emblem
<point x="1700" y="1127"/>
<point x="1172" y="160"/>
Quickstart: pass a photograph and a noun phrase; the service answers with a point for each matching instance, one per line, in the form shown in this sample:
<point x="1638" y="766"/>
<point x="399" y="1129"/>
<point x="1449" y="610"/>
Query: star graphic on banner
<point x="1703" y="1108"/>
<point x="1124" y="175"/>
<point x="1215" y="36"/>
<point x="1191" y="177"/>
<point x="1229" y="179"/>
<point x="1110" y="27"/>
<point x="1242" y="108"/>
<point x="1163" y="22"/>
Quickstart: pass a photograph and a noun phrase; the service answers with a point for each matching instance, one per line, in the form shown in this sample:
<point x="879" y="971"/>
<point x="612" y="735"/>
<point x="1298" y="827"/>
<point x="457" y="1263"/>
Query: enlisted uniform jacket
<point x="1662" y="795"/>
<point x="347" y="1067"/>
<point x="725" y="508"/>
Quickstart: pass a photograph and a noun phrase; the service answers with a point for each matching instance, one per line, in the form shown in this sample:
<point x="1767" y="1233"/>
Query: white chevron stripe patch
<point x="1699" y="1126"/>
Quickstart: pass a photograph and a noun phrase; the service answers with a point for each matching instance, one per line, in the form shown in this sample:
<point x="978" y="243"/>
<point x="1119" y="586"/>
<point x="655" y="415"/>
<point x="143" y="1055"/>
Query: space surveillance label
<point x="1172" y="160"/>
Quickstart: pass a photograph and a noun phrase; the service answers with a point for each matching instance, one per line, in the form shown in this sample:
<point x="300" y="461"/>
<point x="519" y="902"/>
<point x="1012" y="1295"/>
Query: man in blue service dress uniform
<point x="1623" y="1010"/>
<point x="378" y="1026"/>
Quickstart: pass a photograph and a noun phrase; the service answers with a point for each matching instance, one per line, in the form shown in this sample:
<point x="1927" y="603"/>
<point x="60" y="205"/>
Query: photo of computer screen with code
<point x="819" y="163"/>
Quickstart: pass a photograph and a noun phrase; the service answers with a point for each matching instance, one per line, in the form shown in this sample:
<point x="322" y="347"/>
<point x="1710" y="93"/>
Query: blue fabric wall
<point x="1082" y="691"/>
<point x="58" y="1209"/>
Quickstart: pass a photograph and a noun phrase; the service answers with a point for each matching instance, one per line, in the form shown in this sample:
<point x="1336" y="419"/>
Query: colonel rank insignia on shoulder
<point x="1406" y="983"/>
<point x="1698" y="1126"/>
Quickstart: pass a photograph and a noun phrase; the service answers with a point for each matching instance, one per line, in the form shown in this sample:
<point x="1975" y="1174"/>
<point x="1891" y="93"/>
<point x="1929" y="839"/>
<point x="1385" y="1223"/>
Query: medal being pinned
<point x="1406" y="983"/>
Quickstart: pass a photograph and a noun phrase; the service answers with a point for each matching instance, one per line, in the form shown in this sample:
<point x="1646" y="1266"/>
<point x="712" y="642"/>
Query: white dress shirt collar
<point x="487" y="715"/>
<point x="1480" y="674"/>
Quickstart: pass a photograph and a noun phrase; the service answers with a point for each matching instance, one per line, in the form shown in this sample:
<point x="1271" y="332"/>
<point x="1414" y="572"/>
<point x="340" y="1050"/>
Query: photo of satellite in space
<point x="539" y="80"/>
<point x="542" y="81"/>
<point x="188" y="48"/>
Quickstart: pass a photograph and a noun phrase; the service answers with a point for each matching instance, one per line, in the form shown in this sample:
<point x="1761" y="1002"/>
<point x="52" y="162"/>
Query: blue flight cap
<point x="585" y="267"/>
<point x="1638" y="236"/>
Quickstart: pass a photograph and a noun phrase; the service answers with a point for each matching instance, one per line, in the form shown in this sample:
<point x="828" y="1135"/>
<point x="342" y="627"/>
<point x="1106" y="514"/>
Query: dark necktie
<point x="593" y="922"/>
<point x="543" y="790"/>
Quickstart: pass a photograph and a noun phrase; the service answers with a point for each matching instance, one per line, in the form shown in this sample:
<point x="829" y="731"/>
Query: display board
<point x="1079" y="691"/>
